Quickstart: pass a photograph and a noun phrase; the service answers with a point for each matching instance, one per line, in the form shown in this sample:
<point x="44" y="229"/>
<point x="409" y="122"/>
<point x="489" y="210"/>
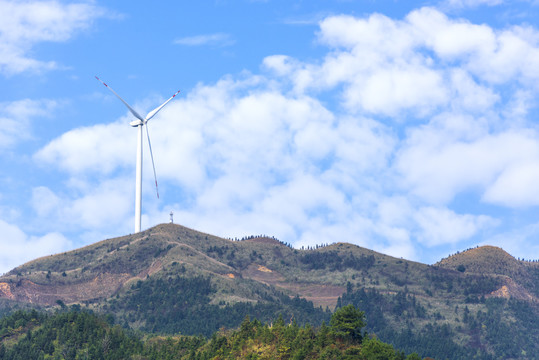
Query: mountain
<point x="171" y="279"/>
<point x="240" y="269"/>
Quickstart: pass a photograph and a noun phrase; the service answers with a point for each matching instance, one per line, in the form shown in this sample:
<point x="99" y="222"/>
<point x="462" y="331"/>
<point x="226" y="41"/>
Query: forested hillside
<point x="78" y="334"/>
<point x="183" y="304"/>
<point x="481" y="330"/>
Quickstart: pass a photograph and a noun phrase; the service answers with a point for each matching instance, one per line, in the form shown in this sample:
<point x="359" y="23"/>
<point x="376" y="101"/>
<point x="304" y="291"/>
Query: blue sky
<point x="408" y="127"/>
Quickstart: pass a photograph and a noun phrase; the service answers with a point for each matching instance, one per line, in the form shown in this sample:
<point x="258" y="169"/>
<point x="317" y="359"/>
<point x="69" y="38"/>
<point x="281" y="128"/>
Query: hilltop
<point x="171" y="279"/>
<point x="519" y="277"/>
<point x="483" y="260"/>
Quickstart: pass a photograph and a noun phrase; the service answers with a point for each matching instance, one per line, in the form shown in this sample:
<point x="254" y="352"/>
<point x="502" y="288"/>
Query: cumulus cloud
<point x="16" y="119"/>
<point x="456" y="154"/>
<point x="24" y="24"/>
<point x="18" y="247"/>
<point x="422" y="63"/>
<point x="516" y="186"/>
<point x="494" y="56"/>
<point x="103" y="206"/>
<point x="440" y="225"/>
<point x="100" y="148"/>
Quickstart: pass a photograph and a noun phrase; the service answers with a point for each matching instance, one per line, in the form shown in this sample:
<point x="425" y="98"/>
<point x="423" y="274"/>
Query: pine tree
<point x="347" y="323"/>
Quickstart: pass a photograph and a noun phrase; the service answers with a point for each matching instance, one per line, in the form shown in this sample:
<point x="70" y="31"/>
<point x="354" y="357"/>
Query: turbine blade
<point x="152" y="113"/>
<point x="126" y="104"/>
<point x="153" y="164"/>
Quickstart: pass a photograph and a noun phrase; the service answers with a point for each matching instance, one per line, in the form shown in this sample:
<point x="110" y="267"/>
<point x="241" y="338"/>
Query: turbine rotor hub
<point x="136" y="123"/>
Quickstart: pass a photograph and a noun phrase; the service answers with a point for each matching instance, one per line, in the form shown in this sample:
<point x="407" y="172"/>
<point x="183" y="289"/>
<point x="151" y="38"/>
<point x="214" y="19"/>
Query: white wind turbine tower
<point x="139" y="123"/>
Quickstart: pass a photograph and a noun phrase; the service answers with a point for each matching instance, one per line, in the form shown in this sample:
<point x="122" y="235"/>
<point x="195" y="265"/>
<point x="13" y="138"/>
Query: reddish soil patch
<point x="103" y="285"/>
<point x="512" y="290"/>
<point x="320" y="294"/>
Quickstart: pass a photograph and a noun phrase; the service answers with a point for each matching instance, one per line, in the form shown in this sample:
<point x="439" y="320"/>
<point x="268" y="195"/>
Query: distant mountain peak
<point x="482" y="260"/>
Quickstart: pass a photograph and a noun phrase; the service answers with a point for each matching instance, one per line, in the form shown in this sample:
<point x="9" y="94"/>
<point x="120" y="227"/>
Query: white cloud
<point x="454" y="154"/>
<point x="16" y="119"/>
<point x="386" y="91"/>
<point x="383" y="35"/>
<point x="440" y="226"/>
<point x="451" y="39"/>
<point x="103" y="206"/>
<point x="394" y="211"/>
<point x="45" y="201"/>
<point x="495" y="56"/>
<point x="217" y="39"/>
<point x="376" y="62"/>
<point x="422" y="64"/>
<point x="100" y="148"/>
<point x="18" y="247"/>
<point x="468" y="95"/>
<point x="108" y="204"/>
<point x="282" y="65"/>
<point x="399" y="245"/>
<point x="516" y="186"/>
<point x="519" y="106"/>
<point x="26" y="23"/>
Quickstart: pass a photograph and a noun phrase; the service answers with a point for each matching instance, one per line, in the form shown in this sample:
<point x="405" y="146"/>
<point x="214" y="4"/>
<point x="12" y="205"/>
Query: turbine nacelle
<point x="136" y="123"/>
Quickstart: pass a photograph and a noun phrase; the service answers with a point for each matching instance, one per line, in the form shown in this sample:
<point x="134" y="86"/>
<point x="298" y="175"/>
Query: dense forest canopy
<point x="73" y="334"/>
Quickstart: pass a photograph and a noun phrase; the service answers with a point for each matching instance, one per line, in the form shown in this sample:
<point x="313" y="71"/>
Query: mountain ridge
<point x="171" y="278"/>
<point x="105" y="280"/>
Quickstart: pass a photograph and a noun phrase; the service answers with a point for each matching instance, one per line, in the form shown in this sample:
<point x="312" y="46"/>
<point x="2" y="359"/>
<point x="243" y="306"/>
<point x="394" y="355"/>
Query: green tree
<point x="374" y="349"/>
<point x="347" y="323"/>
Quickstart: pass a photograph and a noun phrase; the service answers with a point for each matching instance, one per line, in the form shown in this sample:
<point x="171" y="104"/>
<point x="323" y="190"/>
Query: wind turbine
<point x="139" y="123"/>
